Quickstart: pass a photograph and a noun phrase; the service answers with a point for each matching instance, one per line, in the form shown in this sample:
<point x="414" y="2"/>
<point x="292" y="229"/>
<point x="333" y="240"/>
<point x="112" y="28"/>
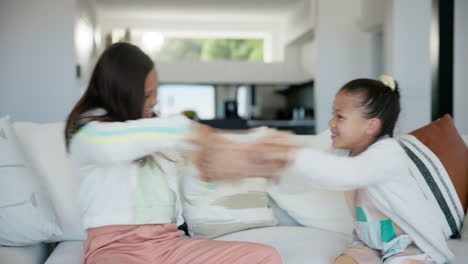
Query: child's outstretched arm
<point x="219" y="158"/>
<point x="381" y="162"/>
<point x="110" y="142"/>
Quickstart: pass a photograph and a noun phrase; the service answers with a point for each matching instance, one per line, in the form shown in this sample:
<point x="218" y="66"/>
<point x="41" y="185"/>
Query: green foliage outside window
<point x="211" y="50"/>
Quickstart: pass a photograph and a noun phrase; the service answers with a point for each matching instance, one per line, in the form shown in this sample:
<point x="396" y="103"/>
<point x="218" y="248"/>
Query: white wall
<point x="288" y="71"/>
<point x="407" y="57"/>
<point x="343" y="53"/>
<point x="345" y="40"/>
<point x="300" y="21"/>
<point x="460" y="78"/>
<point x="37" y="59"/>
<point x="372" y="14"/>
<point x="86" y="46"/>
<point x="308" y="58"/>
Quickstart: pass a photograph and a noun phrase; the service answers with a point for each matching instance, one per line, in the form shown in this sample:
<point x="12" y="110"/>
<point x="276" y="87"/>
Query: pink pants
<point x="132" y="244"/>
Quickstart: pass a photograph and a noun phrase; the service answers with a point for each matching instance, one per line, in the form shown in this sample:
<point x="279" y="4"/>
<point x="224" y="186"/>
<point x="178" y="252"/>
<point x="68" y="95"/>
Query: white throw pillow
<point x="26" y="213"/>
<point x="324" y="209"/>
<point x="44" y="145"/>
<point x="212" y="209"/>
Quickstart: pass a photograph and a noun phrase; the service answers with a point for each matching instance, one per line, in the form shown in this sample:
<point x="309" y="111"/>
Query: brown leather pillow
<point x="442" y="138"/>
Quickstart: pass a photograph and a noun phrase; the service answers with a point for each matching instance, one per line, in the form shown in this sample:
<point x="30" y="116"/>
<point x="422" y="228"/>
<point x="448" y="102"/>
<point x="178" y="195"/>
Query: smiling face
<point x="151" y="84"/>
<point x="350" y="129"/>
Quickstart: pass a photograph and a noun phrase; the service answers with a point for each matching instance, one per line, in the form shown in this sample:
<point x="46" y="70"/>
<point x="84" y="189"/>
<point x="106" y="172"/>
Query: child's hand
<point x="201" y="133"/>
<point x="201" y="137"/>
<point x="274" y="146"/>
<point x="219" y="158"/>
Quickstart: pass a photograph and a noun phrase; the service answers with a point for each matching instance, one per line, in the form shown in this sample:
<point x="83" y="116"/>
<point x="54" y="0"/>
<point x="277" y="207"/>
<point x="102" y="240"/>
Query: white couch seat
<point x="297" y="245"/>
<point x="34" y="254"/>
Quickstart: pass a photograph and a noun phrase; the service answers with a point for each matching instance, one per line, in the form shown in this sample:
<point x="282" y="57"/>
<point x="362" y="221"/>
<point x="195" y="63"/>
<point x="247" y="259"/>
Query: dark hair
<point x="378" y="101"/>
<point x="116" y="86"/>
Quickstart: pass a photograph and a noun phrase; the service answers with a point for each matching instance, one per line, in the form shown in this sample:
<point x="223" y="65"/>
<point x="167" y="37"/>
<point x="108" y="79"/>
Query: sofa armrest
<point x="34" y="254"/>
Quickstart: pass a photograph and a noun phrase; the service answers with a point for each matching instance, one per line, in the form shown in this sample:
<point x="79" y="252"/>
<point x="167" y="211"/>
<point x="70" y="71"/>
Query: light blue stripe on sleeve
<point x="122" y="132"/>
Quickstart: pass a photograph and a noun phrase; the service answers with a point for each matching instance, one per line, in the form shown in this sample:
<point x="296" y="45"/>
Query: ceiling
<point x="278" y="22"/>
<point x="197" y="8"/>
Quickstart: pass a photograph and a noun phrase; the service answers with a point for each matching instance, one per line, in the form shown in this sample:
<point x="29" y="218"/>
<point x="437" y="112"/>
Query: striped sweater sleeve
<point x="113" y="142"/>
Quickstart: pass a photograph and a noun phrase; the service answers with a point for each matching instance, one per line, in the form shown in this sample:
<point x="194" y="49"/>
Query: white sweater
<point x="105" y="154"/>
<point x="382" y="172"/>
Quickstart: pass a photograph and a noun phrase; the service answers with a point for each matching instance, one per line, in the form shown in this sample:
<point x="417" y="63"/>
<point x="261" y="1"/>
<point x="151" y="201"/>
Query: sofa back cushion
<point x="27" y="215"/>
<point x="44" y="145"/>
<point x="443" y="139"/>
<point x="323" y="209"/>
<point x="212" y="209"/>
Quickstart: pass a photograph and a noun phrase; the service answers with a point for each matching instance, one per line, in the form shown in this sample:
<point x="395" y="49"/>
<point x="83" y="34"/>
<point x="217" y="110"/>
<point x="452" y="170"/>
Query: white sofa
<point x="297" y="244"/>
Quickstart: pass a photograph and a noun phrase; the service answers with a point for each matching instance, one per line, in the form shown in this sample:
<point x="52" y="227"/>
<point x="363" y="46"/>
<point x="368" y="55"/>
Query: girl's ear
<point x="373" y="126"/>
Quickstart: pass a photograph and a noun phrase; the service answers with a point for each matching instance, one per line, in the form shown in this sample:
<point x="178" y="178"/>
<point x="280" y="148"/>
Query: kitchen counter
<point x="281" y="123"/>
<point x="304" y="126"/>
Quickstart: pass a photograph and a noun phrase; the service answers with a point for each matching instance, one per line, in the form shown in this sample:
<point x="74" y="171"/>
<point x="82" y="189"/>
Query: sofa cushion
<point x="442" y="138"/>
<point x="212" y="209"/>
<point x="324" y="209"/>
<point x="69" y="252"/>
<point x="33" y="254"/>
<point x="296" y="245"/>
<point x="284" y="219"/>
<point x="299" y="245"/>
<point x="464" y="231"/>
<point x="26" y="213"/>
<point x="460" y="250"/>
<point x="44" y="145"/>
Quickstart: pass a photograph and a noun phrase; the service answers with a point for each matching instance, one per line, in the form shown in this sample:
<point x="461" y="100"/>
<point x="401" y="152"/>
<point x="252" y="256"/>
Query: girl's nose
<point x="153" y="101"/>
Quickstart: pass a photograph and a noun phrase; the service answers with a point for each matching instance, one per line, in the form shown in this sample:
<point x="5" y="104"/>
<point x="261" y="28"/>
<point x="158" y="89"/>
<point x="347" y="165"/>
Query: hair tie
<point x="388" y="81"/>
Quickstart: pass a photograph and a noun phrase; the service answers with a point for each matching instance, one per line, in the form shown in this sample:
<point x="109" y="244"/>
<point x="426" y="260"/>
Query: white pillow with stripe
<point x="434" y="181"/>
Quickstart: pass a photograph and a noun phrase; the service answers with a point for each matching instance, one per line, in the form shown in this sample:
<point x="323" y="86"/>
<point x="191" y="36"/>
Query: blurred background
<point x="243" y="63"/>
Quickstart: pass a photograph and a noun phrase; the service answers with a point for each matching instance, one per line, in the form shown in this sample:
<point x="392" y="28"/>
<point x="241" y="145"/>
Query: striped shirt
<point x="116" y="187"/>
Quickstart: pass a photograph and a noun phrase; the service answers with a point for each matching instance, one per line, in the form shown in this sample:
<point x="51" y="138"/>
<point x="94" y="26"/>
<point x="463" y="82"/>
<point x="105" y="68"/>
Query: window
<point x="176" y="98"/>
<point x="162" y="47"/>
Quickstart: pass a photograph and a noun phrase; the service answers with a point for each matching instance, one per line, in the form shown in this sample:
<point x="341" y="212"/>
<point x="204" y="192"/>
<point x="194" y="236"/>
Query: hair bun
<point x="388" y="80"/>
